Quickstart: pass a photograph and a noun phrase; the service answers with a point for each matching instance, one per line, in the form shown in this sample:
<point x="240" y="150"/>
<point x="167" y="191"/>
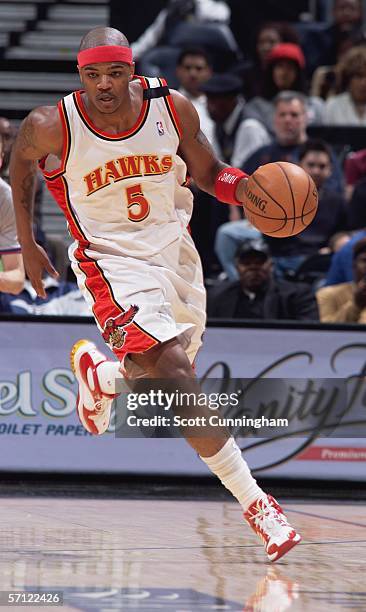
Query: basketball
<point x="281" y="199"/>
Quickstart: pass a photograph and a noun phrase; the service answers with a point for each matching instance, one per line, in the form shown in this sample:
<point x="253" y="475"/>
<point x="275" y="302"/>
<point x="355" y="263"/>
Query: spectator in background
<point x="324" y="80"/>
<point x="355" y="174"/>
<point x="289" y="253"/>
<point x="348" y="107"/>
<point x="193" y="69"/>
<point x="229" y="237"/>
<point x="182" y="24"/>
<point x="354" y="170"/>
<point x="357" y="206"/>
<point x="176" y="12"/>
<point x="324" y="47"/>
<point x="268" y="35"/>
<point x="285" y="70"/>
<point x="256" y="295"/>
<point x="346" y="302"/>
<point x="341" y="267"/>
<point x="289" y="124"/>
<point x="8" y="133"/>
<point x="11" y="261"/>
<point x="337" y="242"/>
<point x="236" y="136"/>
<point x="63" y="299"/>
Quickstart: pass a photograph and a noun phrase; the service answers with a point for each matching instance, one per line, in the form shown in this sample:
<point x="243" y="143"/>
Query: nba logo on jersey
<point x="159" y="125"/>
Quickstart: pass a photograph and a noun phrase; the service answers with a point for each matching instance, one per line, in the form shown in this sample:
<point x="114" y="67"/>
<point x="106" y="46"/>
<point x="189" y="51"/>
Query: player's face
<point x="192" y="72"/>
<point x="254" y="271"/>
<point x="317" y="164"/>
<point x="267" y="39"/>
<point x="284" y="74"/>
<point x="106" y="84"/>
<point x="290" y="122"/>
<point x="359" y="266"/>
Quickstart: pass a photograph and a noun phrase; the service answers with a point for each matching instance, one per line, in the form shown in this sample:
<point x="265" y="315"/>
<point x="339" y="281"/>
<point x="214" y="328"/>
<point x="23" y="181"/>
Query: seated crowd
<point x="254" y="110"/>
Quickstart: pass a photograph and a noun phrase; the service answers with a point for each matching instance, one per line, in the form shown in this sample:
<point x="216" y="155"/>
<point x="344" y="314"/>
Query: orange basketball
<point x="281" y="199"/>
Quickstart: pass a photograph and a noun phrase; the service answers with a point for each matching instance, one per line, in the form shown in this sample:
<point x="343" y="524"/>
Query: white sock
<point x="108" y="373"/>
<point x="230" y="467"/>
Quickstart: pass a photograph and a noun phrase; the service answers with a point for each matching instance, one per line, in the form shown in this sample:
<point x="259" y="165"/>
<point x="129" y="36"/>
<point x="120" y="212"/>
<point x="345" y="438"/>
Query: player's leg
<point x="221" y="454"/>
<point x="97" y="377"/>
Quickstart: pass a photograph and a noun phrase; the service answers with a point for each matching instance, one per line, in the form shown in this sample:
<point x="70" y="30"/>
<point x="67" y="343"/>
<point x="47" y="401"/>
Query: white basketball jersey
<point x="123" y="193"/>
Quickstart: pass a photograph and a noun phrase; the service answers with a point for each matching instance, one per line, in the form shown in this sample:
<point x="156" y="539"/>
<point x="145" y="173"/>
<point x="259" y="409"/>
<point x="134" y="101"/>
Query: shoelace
<point x="269" y="520"/>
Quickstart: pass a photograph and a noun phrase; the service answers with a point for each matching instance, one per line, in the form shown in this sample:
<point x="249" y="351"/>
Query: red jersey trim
<point x="105" y="304"/>
<point x="66" y="144"/>
<point x="80" y="107"/>
<point x="169" y="102"/>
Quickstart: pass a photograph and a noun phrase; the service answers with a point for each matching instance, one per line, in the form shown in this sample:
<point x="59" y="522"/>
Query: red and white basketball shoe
<point x="265" y="516"/>
<point x="93" y="406"/>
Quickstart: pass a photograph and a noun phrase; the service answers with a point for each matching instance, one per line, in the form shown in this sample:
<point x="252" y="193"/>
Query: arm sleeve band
<point x="225" y="185"/>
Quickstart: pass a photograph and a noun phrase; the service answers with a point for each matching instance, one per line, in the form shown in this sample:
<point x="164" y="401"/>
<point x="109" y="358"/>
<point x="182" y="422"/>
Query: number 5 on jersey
<point x="138" y="207"/>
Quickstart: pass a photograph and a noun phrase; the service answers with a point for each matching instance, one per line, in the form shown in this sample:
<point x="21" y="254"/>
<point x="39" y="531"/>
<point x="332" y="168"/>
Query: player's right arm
<point x="39" y="135"/>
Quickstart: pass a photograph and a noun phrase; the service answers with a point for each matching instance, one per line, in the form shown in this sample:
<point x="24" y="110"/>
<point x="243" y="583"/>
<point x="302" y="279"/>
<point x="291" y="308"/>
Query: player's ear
<point x="132" y="71"/>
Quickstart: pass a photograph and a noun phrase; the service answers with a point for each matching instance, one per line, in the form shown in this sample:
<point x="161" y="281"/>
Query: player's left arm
<point x="208" y="172"/>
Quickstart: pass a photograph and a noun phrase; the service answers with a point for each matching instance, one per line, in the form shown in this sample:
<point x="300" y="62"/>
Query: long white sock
<point x="108" y="374"/>
<point x="233" y="471"/>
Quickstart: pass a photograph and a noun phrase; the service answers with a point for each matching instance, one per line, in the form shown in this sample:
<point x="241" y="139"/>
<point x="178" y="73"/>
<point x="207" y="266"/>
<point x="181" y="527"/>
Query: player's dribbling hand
<point x="36" y="262"/>
<point x="240" y="190"/>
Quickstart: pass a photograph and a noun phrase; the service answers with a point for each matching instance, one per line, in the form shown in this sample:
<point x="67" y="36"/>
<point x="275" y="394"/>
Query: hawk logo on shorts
<point x="159" y="125"/>
<point x="114" y="333"/>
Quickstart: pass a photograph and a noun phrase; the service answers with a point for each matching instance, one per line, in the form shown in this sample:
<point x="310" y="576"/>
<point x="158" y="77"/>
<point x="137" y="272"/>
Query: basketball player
<point x="109" y="154"/>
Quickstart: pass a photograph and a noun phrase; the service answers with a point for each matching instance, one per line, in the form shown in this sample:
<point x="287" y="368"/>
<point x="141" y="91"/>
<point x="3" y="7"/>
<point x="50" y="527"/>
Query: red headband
<point x="107" y="53"/>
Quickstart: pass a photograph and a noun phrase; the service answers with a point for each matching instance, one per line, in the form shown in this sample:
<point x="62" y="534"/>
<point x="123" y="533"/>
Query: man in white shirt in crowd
<point x="193" y="69"/>
<point x="236" y="136"/>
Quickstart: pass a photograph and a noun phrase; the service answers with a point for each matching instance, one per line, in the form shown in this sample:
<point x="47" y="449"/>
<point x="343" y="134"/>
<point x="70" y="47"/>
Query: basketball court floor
<point x="180" y="556"/>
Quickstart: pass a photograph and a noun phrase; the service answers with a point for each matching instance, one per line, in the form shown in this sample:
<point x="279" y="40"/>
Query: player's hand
<point x="360" y="294"/>
<point x="36" y="262"/>
<point x="240" y="189"/>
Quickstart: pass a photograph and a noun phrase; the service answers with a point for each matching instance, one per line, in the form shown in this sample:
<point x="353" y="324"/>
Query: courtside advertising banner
<point x="295" y="399"/>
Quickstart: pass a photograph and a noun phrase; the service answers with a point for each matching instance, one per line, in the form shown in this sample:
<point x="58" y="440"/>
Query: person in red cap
<point x="285" y="71"/>
<point x="252" y="71"/>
